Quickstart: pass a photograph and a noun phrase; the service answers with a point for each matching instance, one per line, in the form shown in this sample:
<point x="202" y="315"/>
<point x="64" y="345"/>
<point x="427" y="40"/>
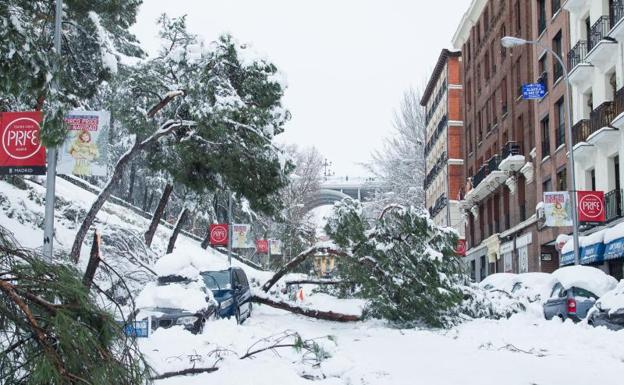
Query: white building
<point x="596" y="68"/>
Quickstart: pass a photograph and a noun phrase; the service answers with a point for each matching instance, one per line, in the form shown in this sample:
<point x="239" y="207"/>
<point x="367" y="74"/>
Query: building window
<point x="543" y="76"/>
<point x="545" y="125"/>
<point x="518" y="78"/>
<point x="486" y="68"/>
<point x="541" y="16"/>
<point x="560" y="111"/>
<point x="555" y="6"/>
<point x="503" y="50"/>
<point x="592" y="178"/>
<point x="557" y="47"/>
<point x="547" y="185"/>
<point x="504" y="95"/>
<point x="562" y="177"/>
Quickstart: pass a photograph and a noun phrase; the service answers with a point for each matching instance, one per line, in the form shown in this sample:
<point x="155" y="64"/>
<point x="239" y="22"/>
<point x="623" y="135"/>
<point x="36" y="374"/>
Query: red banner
<point x="21" y="151"/>
<point x="262" y="246"/>
<point x="591" y="207"/>
<point x="219" y="234"/>
<point x="461" y="247"/>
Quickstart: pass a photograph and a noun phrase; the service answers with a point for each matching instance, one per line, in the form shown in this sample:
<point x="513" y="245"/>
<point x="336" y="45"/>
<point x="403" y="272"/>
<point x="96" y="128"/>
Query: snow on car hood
<point x="187" y="264"/>
<point x="501" y="281"/>
<point x="613" y="300"/>
<point x="185" y="296"/>
<point x="585" y="277"/>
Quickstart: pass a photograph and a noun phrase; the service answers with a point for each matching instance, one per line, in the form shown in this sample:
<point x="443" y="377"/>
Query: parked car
<point x="576" y="291"/>
<point x="531" y="287"/>
<point x="230" y="288"/>
<point x="176" y="300"/>
<point x="609" y="309"/>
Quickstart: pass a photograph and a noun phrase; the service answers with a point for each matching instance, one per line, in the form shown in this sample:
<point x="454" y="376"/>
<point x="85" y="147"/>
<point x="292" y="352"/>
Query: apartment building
<point x="551" y="29"/>
<point x="500" y="192"/>
<point x="596" y="70"/>
<point x="444" y="156"/>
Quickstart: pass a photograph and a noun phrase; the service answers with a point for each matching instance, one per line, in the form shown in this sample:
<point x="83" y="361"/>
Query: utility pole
<point x="230" y="229"/>
<point x="48" y="228"/>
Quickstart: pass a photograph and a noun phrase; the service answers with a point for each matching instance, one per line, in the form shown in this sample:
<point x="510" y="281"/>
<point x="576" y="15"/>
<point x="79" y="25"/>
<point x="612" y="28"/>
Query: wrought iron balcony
<point x="601" y="116"/>
<point x="439" y="204"/>
<point x="493" y="163"/>
<point x="598" y="31"/>
<point x="511" y="148"/>
<point x="616" y="11"/>
<point x="580" y="131"/>
<point x="578" y="54"/>
<point x="619" y="101"/>
<point x="613" y="205"/>
<point x="479" y="176"/>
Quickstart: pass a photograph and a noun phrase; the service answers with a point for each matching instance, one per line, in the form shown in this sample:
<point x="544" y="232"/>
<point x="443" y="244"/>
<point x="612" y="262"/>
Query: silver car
<point x="573" y="303"/>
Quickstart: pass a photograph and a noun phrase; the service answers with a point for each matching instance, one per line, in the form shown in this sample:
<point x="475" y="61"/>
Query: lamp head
<point x="511" y="41"/>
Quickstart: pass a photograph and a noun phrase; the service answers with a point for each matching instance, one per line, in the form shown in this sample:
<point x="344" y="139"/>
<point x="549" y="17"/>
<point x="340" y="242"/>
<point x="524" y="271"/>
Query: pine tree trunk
<point x="178" y="227"/>
<point x="158" y="213"/>
<point x="131" y="182"/>
<point x="145" y="207"/>
<point x="206" y="241"/>
<point x="114" y="180"/>
<point x="318" y="314"/>
<point x="101" y="199"/>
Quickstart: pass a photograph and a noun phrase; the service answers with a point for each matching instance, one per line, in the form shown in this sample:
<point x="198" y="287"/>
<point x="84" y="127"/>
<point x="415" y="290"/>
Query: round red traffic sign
<point x="218" y="234"/>
<point x="21" y="138"/>
<point x="591" y="206"/>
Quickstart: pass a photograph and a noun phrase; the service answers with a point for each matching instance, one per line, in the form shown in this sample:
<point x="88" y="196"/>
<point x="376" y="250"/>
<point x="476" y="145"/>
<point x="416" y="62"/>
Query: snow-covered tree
<point x="94" y="38"/>
<point x="210" y="110"/>
<point x="403" y="263"/>
<point x="400" y="164"/>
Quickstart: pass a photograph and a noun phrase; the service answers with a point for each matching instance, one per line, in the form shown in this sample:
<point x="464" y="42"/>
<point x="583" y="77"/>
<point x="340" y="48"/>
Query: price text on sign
<point x="21" y="151"/>
<point x="219" y="234"/>
<point x="591" y="206"/>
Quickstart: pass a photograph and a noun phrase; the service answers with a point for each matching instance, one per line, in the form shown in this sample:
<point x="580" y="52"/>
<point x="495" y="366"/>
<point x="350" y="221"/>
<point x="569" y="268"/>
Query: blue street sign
<point x="533" y="91"/>
<point x="137" y="328"/>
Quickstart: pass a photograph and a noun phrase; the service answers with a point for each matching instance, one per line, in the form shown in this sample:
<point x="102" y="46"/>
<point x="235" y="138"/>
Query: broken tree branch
<point x="318" y="314"/>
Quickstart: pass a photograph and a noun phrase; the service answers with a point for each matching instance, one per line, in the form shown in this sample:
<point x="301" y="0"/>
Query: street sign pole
<point x="230" y="229"/>
<point x="48" y="228"/>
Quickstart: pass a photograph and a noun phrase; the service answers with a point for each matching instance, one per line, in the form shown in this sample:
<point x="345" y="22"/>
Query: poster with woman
<point x="85" y="150"/>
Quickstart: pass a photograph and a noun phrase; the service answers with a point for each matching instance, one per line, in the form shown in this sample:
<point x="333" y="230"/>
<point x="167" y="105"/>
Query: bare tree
<point x="400" y="164"/>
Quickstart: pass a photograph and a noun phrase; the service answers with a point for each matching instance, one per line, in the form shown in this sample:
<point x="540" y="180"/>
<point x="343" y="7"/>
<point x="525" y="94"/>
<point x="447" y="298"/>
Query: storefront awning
<point x="567" y="259"/>
<point x="614" y="249"/>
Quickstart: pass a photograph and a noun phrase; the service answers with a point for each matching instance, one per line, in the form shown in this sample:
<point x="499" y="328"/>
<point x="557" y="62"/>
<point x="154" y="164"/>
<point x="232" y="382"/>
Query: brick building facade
<point x="444" y="156"/>
<point x="500" y="193"/>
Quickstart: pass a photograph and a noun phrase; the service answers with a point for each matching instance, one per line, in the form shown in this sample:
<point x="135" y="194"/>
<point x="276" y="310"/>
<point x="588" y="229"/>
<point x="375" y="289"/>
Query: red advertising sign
<point x="461" y="247"/>
<point x="262" y="246"/>
<point x="21" y="151"/>
<point x="591" y="206"/>
<point x="219" y="234"/>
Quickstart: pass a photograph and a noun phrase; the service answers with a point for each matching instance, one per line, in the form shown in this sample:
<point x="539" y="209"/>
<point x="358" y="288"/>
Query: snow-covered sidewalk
<point x="522" y="350"/>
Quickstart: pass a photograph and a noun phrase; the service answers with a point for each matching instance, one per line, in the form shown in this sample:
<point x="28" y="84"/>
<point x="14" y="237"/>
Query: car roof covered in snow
<point x="503" y="281"/>
<point x="614" y="299"/>
<point x="187" y="264"/>
<point x="585" y="277"/>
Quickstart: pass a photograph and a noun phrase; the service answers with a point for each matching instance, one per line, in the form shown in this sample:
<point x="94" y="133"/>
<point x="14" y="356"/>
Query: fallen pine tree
<point x="293" y="308"/>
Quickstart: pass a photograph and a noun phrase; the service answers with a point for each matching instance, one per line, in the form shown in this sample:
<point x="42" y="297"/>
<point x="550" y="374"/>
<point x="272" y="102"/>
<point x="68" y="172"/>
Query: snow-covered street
<point x="522" y="350"/>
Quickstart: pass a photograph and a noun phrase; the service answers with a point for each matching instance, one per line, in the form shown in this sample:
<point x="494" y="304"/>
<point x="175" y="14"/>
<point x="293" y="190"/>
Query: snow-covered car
<point x="531" y="287"/>
<point x="609" y="309"/>
<point x="230" y="288"/>
<point x="179" y="296"/>
<point x="576" y="291"/>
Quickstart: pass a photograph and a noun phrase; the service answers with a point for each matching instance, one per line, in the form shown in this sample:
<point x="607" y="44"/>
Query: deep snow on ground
<point x="523" y="350"/>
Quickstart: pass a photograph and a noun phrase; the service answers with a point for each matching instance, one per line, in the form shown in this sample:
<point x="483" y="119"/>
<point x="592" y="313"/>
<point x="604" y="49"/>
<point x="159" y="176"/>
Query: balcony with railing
<point x="438" y="206"/>
<point x="613" y="205"/>
<point x="616" y="14"/>
<point x="602" y="49"/>
<point x="579" y="67"/>
<point x="580" y="131"/>
<point x="511" y="157"/>
<point x="618" y="121"/>
<point x="486" y="180"/>
<point x="435" y="170"/>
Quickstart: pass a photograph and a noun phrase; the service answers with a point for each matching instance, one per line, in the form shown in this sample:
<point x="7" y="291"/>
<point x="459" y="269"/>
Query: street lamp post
<point x="510" y="42"/>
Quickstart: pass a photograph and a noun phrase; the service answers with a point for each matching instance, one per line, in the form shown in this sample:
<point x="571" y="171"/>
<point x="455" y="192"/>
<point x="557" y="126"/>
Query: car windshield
<point x="217" y="280"/>
<point x="162" y="281"/>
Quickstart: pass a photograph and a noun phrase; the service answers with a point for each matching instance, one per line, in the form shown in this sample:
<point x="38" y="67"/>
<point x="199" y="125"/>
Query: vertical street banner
<point x="21" y="152"/>
<point x="591" y="207"/>
<point x="241" y="237"/>
<point x="275" y="247"/>
<point x="557" y="209"/>
<point x="219" y="234"/>
<point x="85" y="150"/>
<point x="460" y="248"/>
<point x="262" y="246"/>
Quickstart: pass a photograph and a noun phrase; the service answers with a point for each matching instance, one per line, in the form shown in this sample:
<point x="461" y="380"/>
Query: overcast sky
<point x="347" y="61"/>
